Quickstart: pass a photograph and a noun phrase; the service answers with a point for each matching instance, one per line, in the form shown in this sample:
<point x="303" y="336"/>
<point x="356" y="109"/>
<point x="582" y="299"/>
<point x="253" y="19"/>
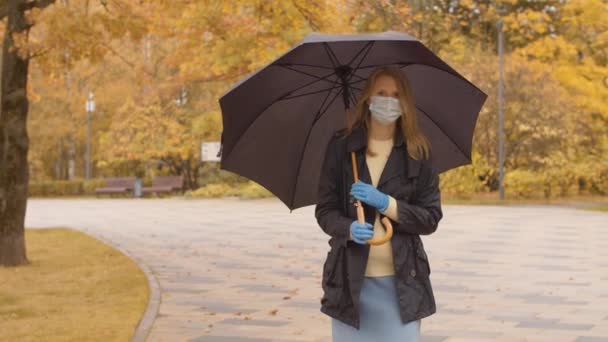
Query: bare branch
<point x="307" y="16"/>
<point x="223" y="77"/>
<point x="104" y="3"/>
<point x="39" y="53"/>
<point x="36" y="4"/>
<point x="124" y="59"/>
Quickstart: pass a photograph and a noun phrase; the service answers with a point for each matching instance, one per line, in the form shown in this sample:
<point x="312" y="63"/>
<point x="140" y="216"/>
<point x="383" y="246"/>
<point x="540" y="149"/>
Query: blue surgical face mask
<point x="385" y="109"/>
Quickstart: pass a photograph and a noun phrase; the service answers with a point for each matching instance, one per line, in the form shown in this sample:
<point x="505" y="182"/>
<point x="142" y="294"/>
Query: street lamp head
<point x="90" y="102"/>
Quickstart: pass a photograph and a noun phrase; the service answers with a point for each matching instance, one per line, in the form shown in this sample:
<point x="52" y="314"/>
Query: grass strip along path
<point x="75" y="288"/>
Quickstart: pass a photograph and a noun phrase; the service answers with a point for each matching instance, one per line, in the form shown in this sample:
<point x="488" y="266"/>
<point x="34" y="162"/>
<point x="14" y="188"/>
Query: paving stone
<point x="512" y="317"/>
<point x="543" y="299"/>
<point x="312" y="307"/>
<point x="548" y="267"/>
<point x="563" y="283"/>
<point x="449" y="288"/>
<point x="209" y="338"/>
<point x="254" y="322"/>
<point x="432" y="338"/>
<point x="591" y="339"/>
<point x="260" y="288"/>
<point x="552" y="324"/>
<point x="294" y="273"/>
<point x="222" y="307"/>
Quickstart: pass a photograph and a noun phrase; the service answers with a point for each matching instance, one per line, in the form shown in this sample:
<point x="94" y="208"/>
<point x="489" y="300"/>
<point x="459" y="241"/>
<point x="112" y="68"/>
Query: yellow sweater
<point x="380" y="262"/>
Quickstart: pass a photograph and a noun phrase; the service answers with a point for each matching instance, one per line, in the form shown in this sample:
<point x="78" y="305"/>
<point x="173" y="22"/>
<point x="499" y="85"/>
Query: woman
<point x="379" y="293"/>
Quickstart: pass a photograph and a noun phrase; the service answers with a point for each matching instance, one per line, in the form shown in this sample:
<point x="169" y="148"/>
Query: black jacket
<point x="415" y="186"/>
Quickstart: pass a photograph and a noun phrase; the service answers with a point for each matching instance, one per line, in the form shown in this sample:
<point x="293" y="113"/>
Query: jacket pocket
<point x="335" y="267"/>
<point x="332" y="279"/>
<point x="422" y="259"/>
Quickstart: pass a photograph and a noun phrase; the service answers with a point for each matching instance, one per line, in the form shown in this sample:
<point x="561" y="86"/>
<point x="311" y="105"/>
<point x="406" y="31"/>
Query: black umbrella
<point x="278" y="120"/>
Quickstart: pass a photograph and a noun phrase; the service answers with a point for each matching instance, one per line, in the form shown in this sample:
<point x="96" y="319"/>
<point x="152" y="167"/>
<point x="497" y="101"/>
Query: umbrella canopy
<point x="278" y="120"/>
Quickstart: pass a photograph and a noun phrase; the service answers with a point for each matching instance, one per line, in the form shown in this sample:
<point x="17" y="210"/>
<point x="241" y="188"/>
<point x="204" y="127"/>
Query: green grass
<point x="598" y="207"/>
<point x="582" y="202"/>
<point x="75" y="288"/>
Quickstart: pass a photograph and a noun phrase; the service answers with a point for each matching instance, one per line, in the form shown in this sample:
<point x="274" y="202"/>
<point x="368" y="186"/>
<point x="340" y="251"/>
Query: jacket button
<point x="413" y="273"/>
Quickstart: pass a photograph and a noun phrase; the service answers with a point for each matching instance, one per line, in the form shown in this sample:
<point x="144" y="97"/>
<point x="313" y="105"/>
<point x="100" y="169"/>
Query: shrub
<point x="210" y="190"/>
<point x="90" y="185"/>
<point x="247" y="189"/>
<point x="56" y="188"/>
<point x="524" y="184"/>
<point x="460" y="182"/>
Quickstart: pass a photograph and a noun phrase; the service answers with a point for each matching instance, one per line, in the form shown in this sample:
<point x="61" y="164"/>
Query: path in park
<point x="238" y="270"/>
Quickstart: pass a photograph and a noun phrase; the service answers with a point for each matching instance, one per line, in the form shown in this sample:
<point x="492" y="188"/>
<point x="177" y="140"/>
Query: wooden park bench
<point x="122" y="185"/>
<point x="165" y="184"/>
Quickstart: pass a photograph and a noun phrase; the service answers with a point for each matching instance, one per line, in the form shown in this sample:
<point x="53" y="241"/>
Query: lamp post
<point x="501" y="188"/>
<point x="90" y="108"/>
<point x="182" y="98"/>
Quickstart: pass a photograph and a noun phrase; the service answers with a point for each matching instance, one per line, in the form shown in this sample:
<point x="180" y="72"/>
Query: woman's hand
<point x="370" y="195"/>
<point x="361" y="232"/>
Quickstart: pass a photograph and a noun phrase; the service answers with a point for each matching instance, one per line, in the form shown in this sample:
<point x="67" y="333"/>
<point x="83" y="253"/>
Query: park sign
<point x="210" y="151"/>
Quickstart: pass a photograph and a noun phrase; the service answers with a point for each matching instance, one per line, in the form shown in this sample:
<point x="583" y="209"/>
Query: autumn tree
<point x="14" y="140"/>
<point x="81" y="37"/>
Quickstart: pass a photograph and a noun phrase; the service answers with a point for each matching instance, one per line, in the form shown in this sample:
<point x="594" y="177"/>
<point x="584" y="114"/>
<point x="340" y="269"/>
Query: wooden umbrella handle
<point x="388" y="227"/>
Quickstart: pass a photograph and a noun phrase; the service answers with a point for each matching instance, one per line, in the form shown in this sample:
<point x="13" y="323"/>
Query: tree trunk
<point x="14" y="141"/>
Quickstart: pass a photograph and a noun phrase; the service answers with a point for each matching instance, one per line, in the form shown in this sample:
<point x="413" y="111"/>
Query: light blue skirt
<point x="379" y="316"/>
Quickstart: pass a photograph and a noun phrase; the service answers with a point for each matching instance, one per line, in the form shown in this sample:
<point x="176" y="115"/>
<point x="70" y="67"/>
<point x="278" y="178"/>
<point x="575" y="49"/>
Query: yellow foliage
<point x="464" y="181"/>
<point x="555" y="79"/>
<point x="522" y="183"/>
<point x="145" y="133"/>
<point x="248" y="189"/>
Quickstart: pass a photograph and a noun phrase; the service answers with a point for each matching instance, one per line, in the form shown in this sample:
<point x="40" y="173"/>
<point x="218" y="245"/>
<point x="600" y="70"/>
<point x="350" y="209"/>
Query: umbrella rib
<point x="317" y="78"/>
<point x="360" y="78"/>
<point x="379" y="65"/>
<point x="367" y="46"/>
<point x="311" y="93"/>
<point x="441" y="129"/>
<point x="406" y="64"/>
<point x="352" y="96"/>
<point x="433" y="121"/>
<point x="324" y="78"/>
<point x="352" y="73"/>
<point x="331" y="54"/>
<point x="306" y="65"/>
<point x="323" y="103"/>
<point x="317" y="118"/>
<point x="359" y="81"/>
<point x="287" y="94"/>
<point x="303" y="86"/>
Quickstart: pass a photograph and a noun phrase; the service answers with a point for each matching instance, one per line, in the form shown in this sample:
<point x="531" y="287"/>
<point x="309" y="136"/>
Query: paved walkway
<point x="234" y="270"/>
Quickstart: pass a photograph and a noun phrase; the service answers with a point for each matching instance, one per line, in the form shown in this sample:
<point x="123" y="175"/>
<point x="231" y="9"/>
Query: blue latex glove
<point x="370" y="195"/>
<point x="361" y="232"/>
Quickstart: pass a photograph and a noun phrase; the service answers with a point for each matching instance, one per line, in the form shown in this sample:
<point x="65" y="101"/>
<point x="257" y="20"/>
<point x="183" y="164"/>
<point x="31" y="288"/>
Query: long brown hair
<point x="417" y="144"/>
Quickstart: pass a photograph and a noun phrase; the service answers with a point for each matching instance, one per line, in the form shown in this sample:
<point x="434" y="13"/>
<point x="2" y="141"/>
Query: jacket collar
<point x="357" y="140"/>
